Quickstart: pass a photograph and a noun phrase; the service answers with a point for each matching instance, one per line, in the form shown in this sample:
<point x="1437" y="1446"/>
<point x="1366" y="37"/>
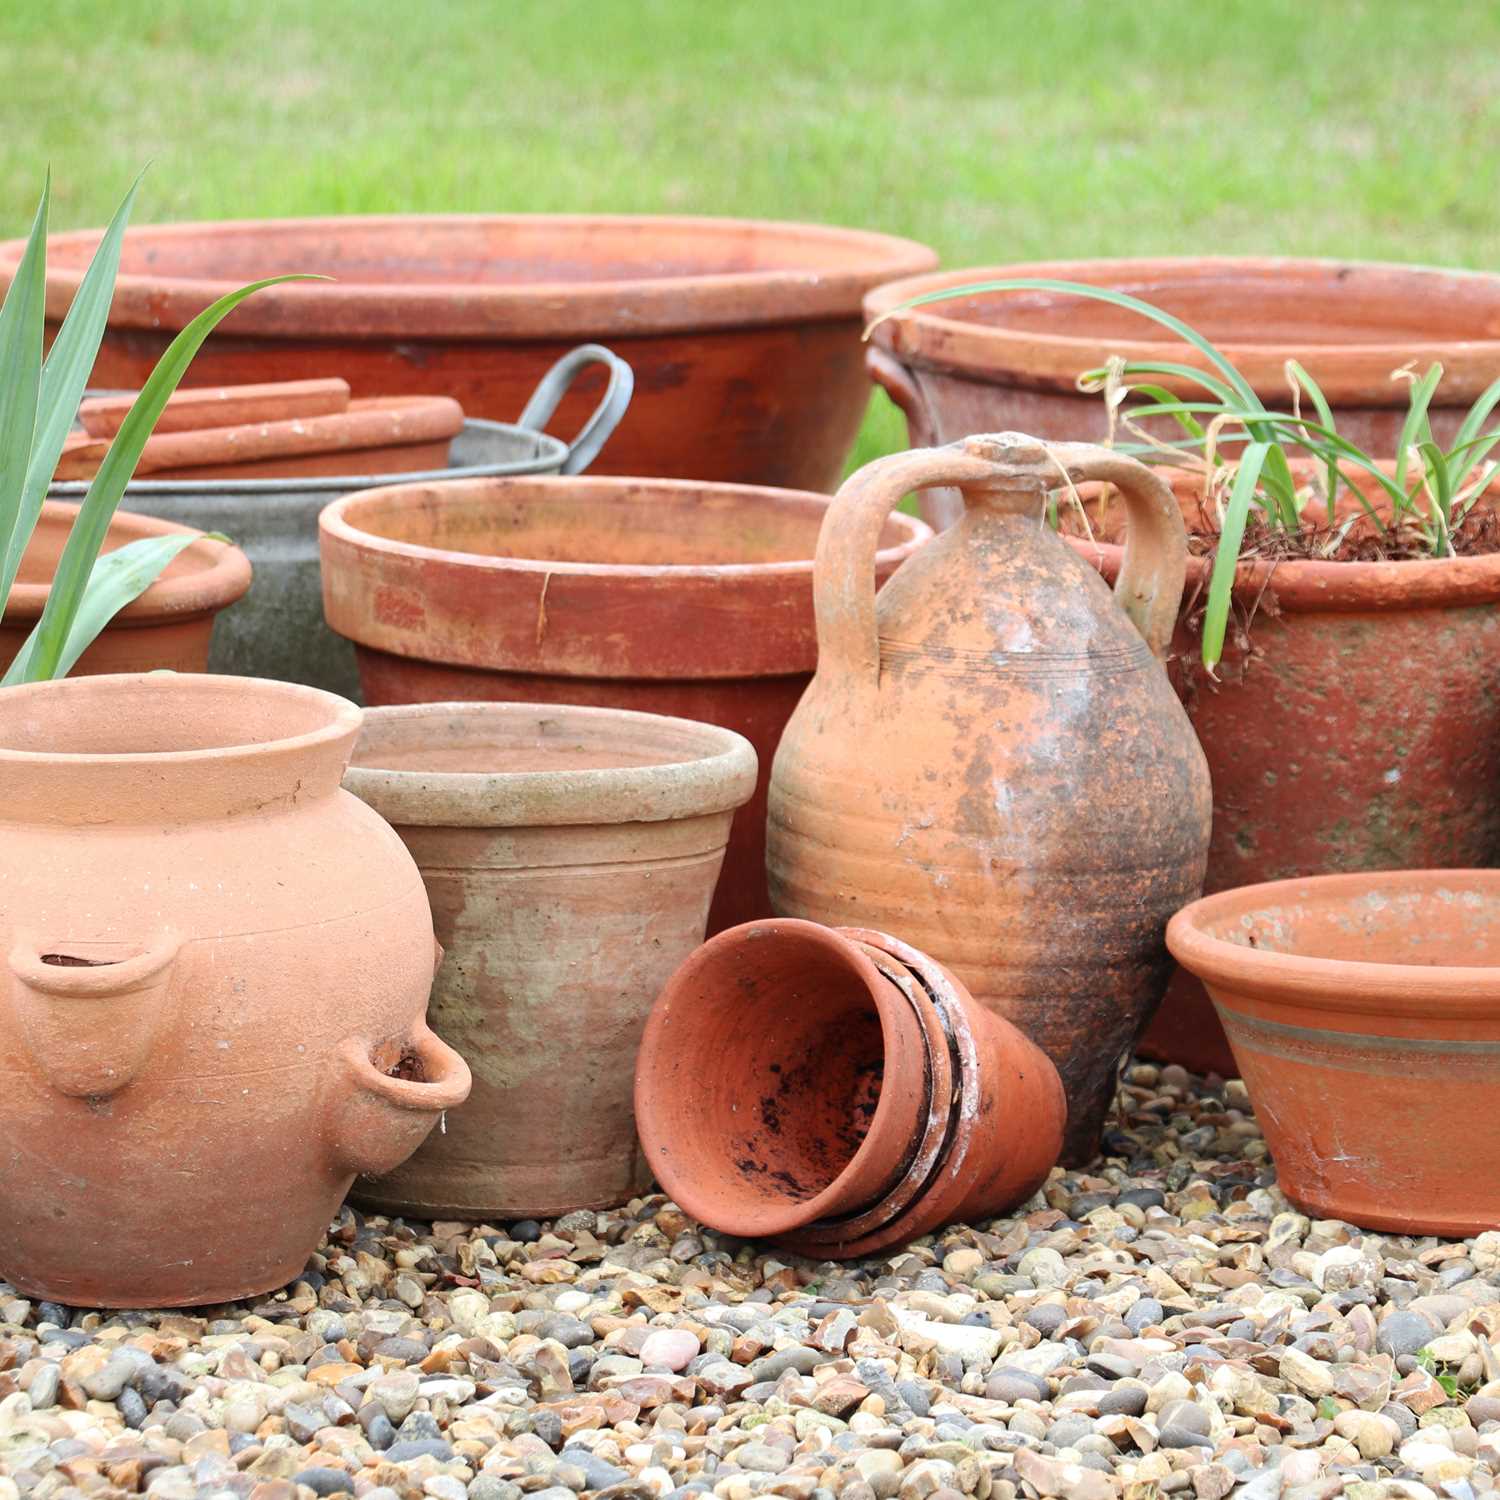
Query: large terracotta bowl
<point x="744" y="335"/>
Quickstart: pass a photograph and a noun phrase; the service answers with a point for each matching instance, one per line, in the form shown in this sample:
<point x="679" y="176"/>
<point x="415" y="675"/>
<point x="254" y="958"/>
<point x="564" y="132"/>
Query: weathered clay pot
<point x="1364" y="1011"/>
<point x="215" y="967"/>
<point x="744" y="335"/>
<point x="570" y="855"/>
<point x="1355" y="727"/>
<point x="689" y="600"/>
<point x="992" y="760"/>
<point x="168" y="626"/>
<point x="838" y="1090"/>
<point x="1010" y="359"/>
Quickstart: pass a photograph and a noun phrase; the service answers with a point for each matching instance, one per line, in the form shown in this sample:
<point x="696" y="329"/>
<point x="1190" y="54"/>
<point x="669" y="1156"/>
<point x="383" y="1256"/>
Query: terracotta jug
<point x="214" y="967"/>
<point x="991" y="761"/>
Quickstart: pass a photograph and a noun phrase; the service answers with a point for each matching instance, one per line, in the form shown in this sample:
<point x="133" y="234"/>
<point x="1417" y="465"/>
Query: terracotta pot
<point x="387" y="433"/>
<point x="220" y="406"/>
<point x="794" y="1080"/>
<point x="1364" y="1011"/>
<point x="168" y="626"/>
<point x="991" y="759"/>
<point x="1010" y="359"/>
<point x="570" y="855"/>
<point x="683" y="599"/>
<point x="1354" y="728"/>
<point x="744" y="335"/>
<point x="213" y="960"/>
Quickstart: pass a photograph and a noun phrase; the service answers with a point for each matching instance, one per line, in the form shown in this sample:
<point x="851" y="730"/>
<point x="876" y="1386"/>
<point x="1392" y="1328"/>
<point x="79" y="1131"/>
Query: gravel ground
<point x="1163" y="1325"/>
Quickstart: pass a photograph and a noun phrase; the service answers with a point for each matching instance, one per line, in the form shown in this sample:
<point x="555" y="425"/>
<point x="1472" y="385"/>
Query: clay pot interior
<point x="602" y="524"/>
<point x="1443" y="923"/>
<point x="828" y="1078"/>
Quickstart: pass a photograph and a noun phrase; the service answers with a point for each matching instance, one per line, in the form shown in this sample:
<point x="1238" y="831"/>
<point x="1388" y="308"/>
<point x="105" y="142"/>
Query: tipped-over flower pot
<point x="837" y="1090"/>
<point x="1364" y="1014"/>
<point x="570" y="855"/>
<point x="214" y="966"/>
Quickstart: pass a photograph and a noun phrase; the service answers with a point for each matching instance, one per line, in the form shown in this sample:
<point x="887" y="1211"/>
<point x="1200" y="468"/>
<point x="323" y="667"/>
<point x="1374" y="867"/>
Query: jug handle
<point x="609" y="413"/>
<point x="1152" y="576"/>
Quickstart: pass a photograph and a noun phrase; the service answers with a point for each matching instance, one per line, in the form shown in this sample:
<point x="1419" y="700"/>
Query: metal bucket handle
<point x="594" y="433"/>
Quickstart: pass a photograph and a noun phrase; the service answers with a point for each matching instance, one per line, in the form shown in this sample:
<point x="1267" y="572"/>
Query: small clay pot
<point x="835" y="1089"/>
<point x="1364" y="1014"/>
<point x="169" y="626"/>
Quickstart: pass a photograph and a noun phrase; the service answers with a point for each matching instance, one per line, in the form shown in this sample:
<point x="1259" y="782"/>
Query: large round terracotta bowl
<point x="1364" y="1011"/>
<point x="1009" y="360"/>
<point x="690" y="600"/>
<point x="744" y="335"/>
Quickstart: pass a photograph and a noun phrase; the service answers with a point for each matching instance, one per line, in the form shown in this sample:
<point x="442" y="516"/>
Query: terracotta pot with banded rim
<point x="570" y="855"/>
<point x="1364" y="1012"/>
<point x="1010" y="360"/>
<point x="1356" y="727"/>
<point x="857" y="1095"/>
<point x="743" y="334"/>
<point x="214" y="967"/>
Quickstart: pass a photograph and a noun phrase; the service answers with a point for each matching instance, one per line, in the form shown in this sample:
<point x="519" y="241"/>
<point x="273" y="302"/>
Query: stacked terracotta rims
<point x="838" y="1091"/>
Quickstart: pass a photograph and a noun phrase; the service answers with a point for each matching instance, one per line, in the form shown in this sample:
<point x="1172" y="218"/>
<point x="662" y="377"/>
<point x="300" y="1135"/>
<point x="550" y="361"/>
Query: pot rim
<point x="896" y="1017"/>
<point x="552" y="452"/>
<point x="1338" y="987"/>
<point x="1307" y="587"/>
<point x="925" y="337"/>
<point x="622" y="307"/>
<point x="343" y="717"/>
<point x="205" y="590"/>
<point x="720" y="777"/>
<point x="335" y="523"/>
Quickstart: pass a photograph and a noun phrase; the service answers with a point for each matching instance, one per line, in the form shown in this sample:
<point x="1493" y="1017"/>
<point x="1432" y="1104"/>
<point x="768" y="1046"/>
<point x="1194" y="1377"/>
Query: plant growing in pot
<point x="38" y="399"/>
<point x="1337" y="634"/>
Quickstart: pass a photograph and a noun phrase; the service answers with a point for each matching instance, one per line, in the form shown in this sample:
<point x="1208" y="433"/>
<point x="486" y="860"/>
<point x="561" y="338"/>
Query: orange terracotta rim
<point x="1356" y="990"/>
<point x="1328" y="587"/>
<point x="341" y="520"/>
<point x="938" y="337"/>
<point x="203" y="578"/>
<point x="693" y="280"/>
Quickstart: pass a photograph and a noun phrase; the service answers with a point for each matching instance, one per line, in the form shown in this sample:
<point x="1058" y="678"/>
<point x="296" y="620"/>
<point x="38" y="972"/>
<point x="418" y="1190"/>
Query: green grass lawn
<point x="993" y="130"/>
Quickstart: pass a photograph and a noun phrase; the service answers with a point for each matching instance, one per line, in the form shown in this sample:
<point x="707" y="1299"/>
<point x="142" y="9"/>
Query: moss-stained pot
<point x="1356" y="726"/>
<point x="214" y="966"/>
<point x="1364" y="1012"/>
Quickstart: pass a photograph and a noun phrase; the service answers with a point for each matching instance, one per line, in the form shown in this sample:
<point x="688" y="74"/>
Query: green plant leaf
<point x="1468" y="433"/>
<point x="1314" y="393"/>
<point x="117" y="579"/>
<point x="1416" y="427"/>
<point x="1218" y="388"/>
<point x="64" y="376"/>
<point x="99" y="504"/>
<point x="1227" y="554"/>
<point x="21" y="326"/>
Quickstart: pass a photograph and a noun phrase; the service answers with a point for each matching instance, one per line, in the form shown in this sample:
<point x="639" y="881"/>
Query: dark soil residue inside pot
<point x="407" y="1067"/>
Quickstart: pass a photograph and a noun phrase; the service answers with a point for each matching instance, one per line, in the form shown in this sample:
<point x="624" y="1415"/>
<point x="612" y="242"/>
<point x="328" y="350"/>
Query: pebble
<point x="1161" y="1325"/>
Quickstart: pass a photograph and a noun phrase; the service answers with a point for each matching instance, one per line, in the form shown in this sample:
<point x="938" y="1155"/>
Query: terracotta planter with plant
<point x="1002" y="347"/>
<point x="570" y="855"/>
<point x="1364" y="1012"/>
<point x="990" y="757"/>
<point x="53" y="576"/>
<point x="839" y="1091"/>
<point x="672" y="597"/>
<point x="744" y="335"/>
<point x="169" y="625"/>
<point x="1339" y="626"/>
<point x="214" y="966"/>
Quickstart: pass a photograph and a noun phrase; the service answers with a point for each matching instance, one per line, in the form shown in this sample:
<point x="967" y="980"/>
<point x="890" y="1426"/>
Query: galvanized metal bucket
<point x="277" y="629"/>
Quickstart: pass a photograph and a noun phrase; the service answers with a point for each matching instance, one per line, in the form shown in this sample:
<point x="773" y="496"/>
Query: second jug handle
<point x="1151" y="579"/>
